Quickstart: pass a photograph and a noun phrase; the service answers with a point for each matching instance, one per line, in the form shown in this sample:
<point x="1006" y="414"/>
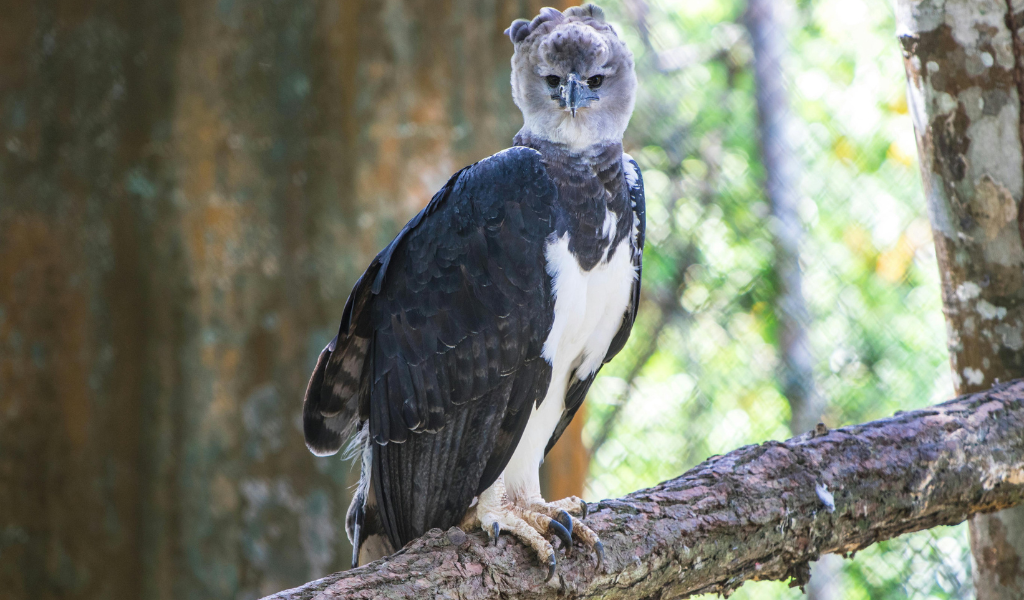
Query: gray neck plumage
<point x="593" y="200"/>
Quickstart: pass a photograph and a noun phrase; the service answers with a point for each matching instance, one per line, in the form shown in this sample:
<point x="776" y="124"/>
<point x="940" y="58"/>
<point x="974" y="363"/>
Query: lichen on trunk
<point x="964" y="81"/>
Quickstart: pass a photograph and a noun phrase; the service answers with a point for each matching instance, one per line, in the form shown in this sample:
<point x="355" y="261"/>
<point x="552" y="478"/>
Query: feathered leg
<point x="362" y="523"/>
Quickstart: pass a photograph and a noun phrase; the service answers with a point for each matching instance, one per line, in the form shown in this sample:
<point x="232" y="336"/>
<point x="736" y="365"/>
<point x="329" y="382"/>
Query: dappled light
<point x="708" y="330"/>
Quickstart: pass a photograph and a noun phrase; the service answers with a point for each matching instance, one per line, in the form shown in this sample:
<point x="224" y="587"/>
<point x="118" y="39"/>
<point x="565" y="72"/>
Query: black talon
<point x="551" y="568"/>
<point x="558" y="530"/>
<point x="496" y="528"/>
<point x="585" y="509"/>
<point x="566" y="520"/>
<point x="599" y="550"/>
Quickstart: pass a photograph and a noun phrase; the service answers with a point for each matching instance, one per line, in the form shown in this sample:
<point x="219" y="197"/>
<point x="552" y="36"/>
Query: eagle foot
<point x="561" y="510"/>
<point x="495" y="513"/>
<point x="529" y="527"/>
<point x="533" y="522"/>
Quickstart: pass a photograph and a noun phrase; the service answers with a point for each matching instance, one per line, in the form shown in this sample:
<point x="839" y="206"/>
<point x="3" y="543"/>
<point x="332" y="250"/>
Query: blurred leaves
<point x="699" y="374"/>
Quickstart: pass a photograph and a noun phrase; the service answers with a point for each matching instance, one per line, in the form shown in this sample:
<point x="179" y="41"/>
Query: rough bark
<point x="758" y="513"/>
<point x="188" y="189"/>
<point x="965" y="76"/>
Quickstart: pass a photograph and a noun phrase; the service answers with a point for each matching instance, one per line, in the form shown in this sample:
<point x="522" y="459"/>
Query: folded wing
<point x="440" y="343"/>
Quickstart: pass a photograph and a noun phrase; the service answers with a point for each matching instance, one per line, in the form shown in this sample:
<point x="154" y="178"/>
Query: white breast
<point x="589" y="306"/>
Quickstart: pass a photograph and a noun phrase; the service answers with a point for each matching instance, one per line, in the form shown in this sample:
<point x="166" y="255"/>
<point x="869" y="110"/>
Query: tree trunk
<point x="758" y="513"/>
<point x="965" y="77"/>
<point x="766" y="23"/>
<point x="188" y="189"/>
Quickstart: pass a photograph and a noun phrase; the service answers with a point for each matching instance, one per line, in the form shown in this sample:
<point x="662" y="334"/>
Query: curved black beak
<point x="575" y="94"/>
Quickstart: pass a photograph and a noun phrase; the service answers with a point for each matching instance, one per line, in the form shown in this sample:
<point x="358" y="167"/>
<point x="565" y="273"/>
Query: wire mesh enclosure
<point x="709" y="365"/>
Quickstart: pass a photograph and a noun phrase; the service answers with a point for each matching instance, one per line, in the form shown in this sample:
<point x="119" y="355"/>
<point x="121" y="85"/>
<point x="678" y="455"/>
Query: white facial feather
<point x="580" y="42"/>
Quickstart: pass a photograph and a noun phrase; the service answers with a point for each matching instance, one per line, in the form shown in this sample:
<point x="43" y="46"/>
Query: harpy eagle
<point x="471" y="340"/>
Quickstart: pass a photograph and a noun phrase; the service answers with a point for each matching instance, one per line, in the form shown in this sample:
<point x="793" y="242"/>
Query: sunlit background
<point x="700" y="374"/>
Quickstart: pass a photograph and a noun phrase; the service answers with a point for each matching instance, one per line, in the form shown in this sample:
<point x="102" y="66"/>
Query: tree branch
<point x="758" y="513"/>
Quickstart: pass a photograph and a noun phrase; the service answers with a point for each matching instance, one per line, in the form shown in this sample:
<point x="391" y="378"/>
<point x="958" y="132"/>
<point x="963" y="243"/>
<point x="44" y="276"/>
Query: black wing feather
<point x="461" y="305"/>
<point x="337" y="396"/>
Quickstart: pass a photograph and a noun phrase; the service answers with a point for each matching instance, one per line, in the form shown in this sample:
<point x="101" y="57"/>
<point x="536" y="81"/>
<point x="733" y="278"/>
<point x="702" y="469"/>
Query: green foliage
<point x="870" y="275"/>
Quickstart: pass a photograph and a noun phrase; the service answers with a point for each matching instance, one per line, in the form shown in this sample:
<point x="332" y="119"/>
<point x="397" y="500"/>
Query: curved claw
<point x="558" y="530"/>
<point x="496" y="529"/>
<point x="585" y="509"/>
<point x="566" y="520"/>
<point x="599" y="551"/>
<point x="551" y="568"/>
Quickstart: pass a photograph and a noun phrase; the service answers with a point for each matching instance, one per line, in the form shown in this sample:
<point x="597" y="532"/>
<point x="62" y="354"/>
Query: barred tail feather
<point x="321" y="438"/>
<point x="331" y="408"/>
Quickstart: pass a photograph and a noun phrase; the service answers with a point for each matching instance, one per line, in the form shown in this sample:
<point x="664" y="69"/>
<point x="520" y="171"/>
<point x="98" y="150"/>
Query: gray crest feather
<point x="592" y="11"/>
<point x="548" y="14"/>
<point x="520" y="29"/>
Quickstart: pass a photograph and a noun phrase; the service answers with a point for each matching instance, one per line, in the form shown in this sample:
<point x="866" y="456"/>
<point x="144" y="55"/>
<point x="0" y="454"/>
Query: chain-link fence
<point x="707" y="367"/>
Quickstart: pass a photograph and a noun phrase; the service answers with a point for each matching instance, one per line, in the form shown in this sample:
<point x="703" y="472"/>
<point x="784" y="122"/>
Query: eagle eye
<point x="553" y="80"/>
<point x="595" y="82"/>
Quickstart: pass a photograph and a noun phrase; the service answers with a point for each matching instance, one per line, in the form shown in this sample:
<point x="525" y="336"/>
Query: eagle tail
<point x="330" y="408"/>
<point x="321" y="438"/>
<point x="369" y="542"/>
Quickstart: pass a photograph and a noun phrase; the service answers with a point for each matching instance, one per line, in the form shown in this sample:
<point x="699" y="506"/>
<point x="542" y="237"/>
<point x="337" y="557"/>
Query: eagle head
<point x="572" y="77"/>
